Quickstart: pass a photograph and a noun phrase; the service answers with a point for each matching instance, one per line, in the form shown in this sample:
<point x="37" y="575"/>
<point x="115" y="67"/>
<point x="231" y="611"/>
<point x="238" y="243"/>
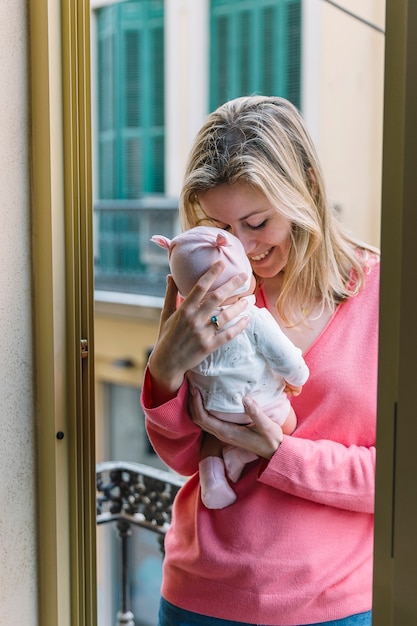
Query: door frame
<point x="63" y="309"/>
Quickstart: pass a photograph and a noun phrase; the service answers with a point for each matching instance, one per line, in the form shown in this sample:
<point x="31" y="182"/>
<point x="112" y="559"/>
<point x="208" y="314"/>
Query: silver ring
<point x="215" y="321"/>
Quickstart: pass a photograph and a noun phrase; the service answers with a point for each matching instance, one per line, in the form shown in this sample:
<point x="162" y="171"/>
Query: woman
<point x="296" y="546"/>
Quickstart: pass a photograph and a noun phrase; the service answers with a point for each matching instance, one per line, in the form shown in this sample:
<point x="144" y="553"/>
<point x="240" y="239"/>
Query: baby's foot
<point x="216" y="493"/>
<point x="235" y="460"/>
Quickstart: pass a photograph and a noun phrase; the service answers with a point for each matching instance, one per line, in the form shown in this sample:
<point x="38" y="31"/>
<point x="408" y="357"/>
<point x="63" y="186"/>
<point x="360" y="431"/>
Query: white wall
<point x="186" y="72"/>
<point x="351" y="82"/>
<point x="18" y="575"/>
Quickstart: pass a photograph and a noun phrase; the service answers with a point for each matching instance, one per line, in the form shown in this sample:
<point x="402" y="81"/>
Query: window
<point x="255" y="47"/>
<point x="130" y="99"/>
<point x="130" y="148"/>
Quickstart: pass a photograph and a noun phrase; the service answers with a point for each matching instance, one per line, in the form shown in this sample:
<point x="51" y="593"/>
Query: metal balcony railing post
<point x="125" y="616"/>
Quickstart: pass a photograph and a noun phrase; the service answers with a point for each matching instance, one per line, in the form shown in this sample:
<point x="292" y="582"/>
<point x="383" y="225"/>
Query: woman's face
<point x="249" y="215"/>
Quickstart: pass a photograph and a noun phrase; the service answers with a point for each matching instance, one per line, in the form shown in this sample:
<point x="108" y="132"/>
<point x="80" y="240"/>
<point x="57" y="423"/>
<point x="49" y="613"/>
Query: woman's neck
<point x="304" y="333"/>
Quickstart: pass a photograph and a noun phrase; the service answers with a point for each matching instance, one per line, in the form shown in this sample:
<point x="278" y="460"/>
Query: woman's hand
<point x="263" y="437"/>
<point x="186" y="333"/>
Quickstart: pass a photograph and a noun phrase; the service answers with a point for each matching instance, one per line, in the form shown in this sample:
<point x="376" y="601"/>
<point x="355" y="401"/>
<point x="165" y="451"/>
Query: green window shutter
<point x="131" y="124"/>
<point x="131" y="99"/>
<point x="157" y="111"/>
<point x="107" y="152"/>
<point x="255" y="47"/>
<point x="245" y="51"/>
<point x="294" y="53"/>
<point x="219" y="70"/>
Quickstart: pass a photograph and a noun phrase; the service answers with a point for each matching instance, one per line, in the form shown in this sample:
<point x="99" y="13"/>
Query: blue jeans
<point x="170" y="615"/>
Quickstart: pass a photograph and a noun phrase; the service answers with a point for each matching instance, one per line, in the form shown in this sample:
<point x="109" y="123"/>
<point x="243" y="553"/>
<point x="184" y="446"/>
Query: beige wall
<point x="122" y="332"/>
<point x="18" y="572"/>
<point x="350" y="83"/>
<point x="186" y="88"/>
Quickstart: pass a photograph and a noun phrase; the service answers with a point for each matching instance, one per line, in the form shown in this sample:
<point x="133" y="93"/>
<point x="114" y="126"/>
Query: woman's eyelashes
<point x="257" y="226"/>
<point x="229" y="228"/>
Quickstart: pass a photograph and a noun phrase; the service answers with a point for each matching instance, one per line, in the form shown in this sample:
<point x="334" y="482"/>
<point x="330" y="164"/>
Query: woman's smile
<point x="260" y="257"/>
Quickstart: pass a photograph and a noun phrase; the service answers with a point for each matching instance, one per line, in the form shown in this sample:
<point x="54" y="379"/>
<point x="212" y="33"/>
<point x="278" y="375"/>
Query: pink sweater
<point x="297" y="546"/>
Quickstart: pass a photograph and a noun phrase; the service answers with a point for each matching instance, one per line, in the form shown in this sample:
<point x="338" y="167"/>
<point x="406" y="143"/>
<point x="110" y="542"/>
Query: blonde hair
<point x="262" y="141"/>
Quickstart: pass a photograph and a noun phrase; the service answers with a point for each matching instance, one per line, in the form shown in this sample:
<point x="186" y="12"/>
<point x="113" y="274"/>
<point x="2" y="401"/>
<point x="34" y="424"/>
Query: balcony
<point x="125" y="259"/>
<point x="129" y="496"/>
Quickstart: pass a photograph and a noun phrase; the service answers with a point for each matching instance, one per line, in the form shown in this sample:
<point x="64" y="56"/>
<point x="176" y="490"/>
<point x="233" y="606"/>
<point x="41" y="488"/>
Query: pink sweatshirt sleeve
<point x="173" y="434"/>
<point x="325" y="472"/>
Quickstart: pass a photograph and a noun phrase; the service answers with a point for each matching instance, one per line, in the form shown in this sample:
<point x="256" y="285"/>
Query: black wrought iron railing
<point x="133" y="494"/>
<point x="125" y="259"/>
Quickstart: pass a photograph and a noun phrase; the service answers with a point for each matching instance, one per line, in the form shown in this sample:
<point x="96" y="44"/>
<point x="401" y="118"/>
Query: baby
<point x="260" y="362"/>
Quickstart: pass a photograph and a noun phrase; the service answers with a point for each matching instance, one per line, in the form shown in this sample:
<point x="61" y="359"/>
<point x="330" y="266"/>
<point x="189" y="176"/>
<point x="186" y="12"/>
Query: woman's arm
<point x="186" y="336"/>
<point x="174" y="436"/>
<point x="323" y="471"/>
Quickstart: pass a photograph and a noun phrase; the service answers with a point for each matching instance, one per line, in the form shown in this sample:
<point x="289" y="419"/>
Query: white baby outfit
<point x="256" y="363"/>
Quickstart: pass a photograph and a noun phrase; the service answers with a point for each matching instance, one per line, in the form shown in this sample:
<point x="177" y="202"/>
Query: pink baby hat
<point x="194" y="251"/>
